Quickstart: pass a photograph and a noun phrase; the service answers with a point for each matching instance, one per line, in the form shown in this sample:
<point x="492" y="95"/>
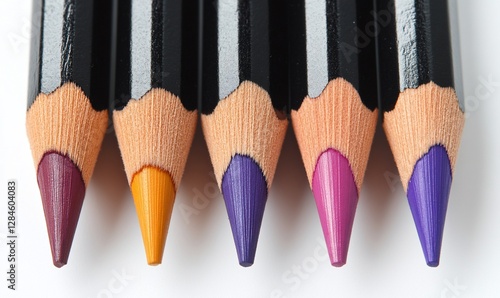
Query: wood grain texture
<point x="422" y="117"/>
<point x="65" y="122"/>
<point x="336" y="119"/>
<point x="157" y="131"/>
<point x="246" y="123"/>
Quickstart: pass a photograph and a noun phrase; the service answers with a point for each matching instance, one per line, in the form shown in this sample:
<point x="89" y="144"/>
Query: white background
<point x="385" y="258"/>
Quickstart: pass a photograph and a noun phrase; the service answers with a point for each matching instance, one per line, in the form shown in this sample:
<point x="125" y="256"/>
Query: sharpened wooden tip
<point x="155" y="130"/>
<point x="336" y="119"/>
<point x="245" y="123"/>
<point x="423" y="117"/>
<point x="65" y="122"/>
<point x="154" y="194"/>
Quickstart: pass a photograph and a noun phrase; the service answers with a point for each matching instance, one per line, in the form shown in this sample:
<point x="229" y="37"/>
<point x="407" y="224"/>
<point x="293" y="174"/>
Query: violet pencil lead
<point x="245" y="192"/>
<point x="428" y="193"/>
<point x="421" y="96"/>
<point x="243" y="100"/>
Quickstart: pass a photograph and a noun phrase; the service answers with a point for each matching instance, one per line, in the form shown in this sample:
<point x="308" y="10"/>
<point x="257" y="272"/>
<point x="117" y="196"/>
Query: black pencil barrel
<point x="244" y="40"/>
<point x="73" y="44"/>
<point x="414" y="48"/>
<point x="157" y="48"/>
<point x="331" y="39"/>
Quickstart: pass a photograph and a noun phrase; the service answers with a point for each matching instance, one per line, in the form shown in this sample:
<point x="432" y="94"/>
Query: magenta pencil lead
<point x="333" y="108"/>
<point x="336" y="197"/>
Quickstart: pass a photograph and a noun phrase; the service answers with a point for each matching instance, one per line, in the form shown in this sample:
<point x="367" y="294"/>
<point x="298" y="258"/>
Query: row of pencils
<point x="331" y="67"/>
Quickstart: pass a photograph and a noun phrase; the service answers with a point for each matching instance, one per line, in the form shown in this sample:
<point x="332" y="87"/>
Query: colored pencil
<point x="67" y="108"/>
<point x="243" y="99"/>
<point x="333" y="108"/>
<point x="423" y="117"/>
<point x="155" y="107"/>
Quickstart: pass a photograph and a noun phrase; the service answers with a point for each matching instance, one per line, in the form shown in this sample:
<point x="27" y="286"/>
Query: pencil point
<point x="62" y="190"/>
<point x="336" y="198"/>
<point x="245" y="192"/>
<point x="154" y="195"/>
<point x="428" y="193"/>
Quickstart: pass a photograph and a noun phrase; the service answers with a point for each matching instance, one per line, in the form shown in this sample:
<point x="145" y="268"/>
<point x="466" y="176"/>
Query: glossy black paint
<point x="432" y="45"/>
<point x="367" y="58"/>
<point x="297" y="52"/>
<point x="173" y="49"/>
<point x="350" y="49"/>
<point x="84" y="54"/>
<point x="262" y="50"/>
